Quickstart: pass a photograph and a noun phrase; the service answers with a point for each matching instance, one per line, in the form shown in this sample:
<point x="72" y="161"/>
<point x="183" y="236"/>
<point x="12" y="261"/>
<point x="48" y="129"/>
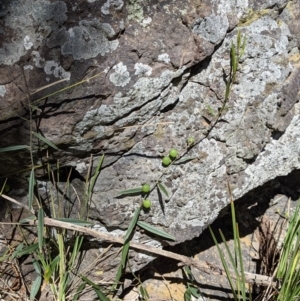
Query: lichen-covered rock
<point x="144" y="77"/>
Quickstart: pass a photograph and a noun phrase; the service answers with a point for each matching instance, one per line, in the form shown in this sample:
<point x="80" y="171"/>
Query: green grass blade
<point x="231" y="257"/>
<point x="131" y="191"/>
<point x="27" y="250"/>
<point x="41" y="228"/>
<point x="241" y="280"/>
<point x="155" y="230"/>
<point x="13" y="148"/>
<point x="95" y="176"/>
<point x="76" y="249"/>
<point x="132" y="224"/>
<point x="144" y="293"/>
<point x="96" y="288"/>
<point x="243" y="47"/>
<point x="118" y="277"/>
<point x="126" y="246"/>
<point x="124" y="256"/>
<point x="188" y="273"/>
<point x="227" y="91"/>
<point x="163" y="188"/>
<point x="79" y="290"/>
<point x="54" y="263"/>
<point x="39" y="136"/>
<point x="233" y="60"/>
<point x="31" y="189"/>
<point x="238" y="39"/>
<point x="289" y="262"/>
<point x="224" y="263"/>
<point x="194" y="291"/>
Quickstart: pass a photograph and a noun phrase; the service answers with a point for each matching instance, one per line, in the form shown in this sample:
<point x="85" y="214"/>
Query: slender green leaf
<point x="100" y="295"/>
<point x="188" y="273"/>
<point x="74" y="221"/>
<point x="194" y="291"/>
<point x="13" y="148"/>
<point x="95" y="176"/>
<point x="37" y="267"/>
<point x="27" y="250"/>
<point x="35" y="287"/>
<point x="96" y="288"/>
<point x="31" y="189"/>
<point x="54" y="263"/>
<point x="41" y="228"/>
<point x="227" y="91"/>
<point x="131" y="191"/>
<point x="155" y="230"/>
<point x="233" y="59"/>
<point x="163" y="189"/>
<point x="124" y="256"/>
<point x="243" y="47"/>
<point x="187" y="295"/>
<point x="242" y="280"/>
<point x="238" y="39"/>
<point x="18" y="249"/>
<point x="39" y="136"/>
<point x="229" y="253"/>
<point x="76" y="249"/>
<point x="132" y="224"/>
<point x="79" y="290"/>
<point x="118" y="276"/>
<point x="144" y="293"/>
<point x="224" y="263"/>
<point x="126" y="245"/>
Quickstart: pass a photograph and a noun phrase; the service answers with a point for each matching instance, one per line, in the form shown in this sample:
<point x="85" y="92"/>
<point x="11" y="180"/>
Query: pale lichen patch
<point x="53" y="68"/>
<point x="27" y="43"/>
<point x="142" y="69"/>
<point x="164" y="57"/>
<point x="111" y="5"/>
<point x="121" y="76"/>
<point x="2" y="90"/>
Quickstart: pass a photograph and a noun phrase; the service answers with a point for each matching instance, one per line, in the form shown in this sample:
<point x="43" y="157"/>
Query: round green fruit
<point x="146" y="204"/>
<point x="173" y="153"/>
<point x="146" y="188"/>
<point x="166" y="161"/>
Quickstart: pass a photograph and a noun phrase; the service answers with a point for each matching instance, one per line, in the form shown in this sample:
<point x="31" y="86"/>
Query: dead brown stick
<point x="184" y="260"/>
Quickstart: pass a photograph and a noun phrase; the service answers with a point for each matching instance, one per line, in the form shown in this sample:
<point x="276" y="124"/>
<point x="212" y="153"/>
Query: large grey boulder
<point x="162" y="67"/>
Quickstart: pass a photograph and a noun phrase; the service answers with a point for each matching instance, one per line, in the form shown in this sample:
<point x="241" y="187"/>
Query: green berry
<point x="166" y="161"/>
<point x="173" y="153"/>
<point x="146" y="204"/>
<point x="191" y="141"/>
<point x="146" y="188"/>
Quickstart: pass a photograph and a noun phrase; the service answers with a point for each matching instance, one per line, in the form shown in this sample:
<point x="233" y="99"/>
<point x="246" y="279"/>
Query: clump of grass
<point x="235" y="272"/>
<point x="288" y="269"/>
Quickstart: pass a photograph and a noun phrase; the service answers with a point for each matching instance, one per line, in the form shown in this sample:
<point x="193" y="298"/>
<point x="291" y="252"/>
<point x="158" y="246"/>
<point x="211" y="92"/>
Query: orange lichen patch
<point x="165" y="289"/>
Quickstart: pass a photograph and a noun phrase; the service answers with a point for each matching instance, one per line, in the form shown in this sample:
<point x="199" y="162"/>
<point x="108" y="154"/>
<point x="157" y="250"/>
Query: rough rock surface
<point x="160" y="65"/>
